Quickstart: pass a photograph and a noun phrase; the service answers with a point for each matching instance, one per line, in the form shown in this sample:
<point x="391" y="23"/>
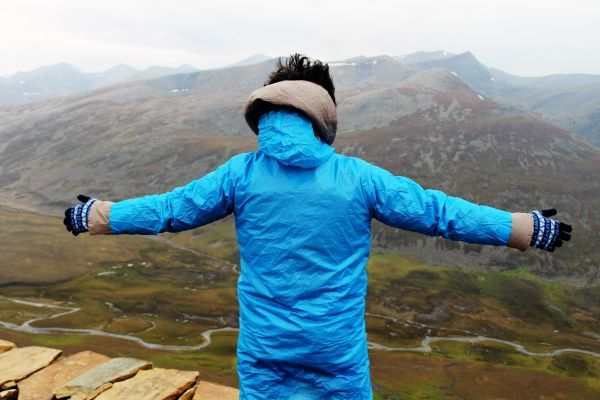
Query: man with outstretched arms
<point x="303" y="219"/>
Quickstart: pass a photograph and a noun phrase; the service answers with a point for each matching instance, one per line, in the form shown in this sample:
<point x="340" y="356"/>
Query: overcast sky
<point x="524" y="37"/>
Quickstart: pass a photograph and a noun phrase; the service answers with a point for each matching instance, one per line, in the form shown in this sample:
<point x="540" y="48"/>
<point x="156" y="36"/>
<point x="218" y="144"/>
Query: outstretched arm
<point x="198" y="203"/>
<point x="402" y="203"/>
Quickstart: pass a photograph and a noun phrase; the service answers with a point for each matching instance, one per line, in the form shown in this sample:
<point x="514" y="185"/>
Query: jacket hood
<point x="306" y="97"/>
<point x="289" y="137"/>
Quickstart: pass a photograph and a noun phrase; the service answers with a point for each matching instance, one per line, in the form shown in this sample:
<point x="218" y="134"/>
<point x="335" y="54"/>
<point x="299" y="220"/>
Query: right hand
<point x="549" y="233"/>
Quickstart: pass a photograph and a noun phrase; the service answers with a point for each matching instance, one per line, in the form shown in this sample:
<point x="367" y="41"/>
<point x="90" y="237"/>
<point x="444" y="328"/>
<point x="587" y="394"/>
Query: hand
<point x="76" y="217"/>
<point x="548" y="234"/>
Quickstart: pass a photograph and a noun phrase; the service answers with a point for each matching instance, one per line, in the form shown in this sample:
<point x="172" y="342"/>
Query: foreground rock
<point x="6" y="346"/>
<point x="211" y="391"/>
<point x="101" y="378"/>
<point x="37" y="373"/>
<point x="18" y="364"/>
<point x="155" y="384"/>
<point x="42" y="384"/>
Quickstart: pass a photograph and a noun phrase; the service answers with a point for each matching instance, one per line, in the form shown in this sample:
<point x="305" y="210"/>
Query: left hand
<point x="548" y="234"/>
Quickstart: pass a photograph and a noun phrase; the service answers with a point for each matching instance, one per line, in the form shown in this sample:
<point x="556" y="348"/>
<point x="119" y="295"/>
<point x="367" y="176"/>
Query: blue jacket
<point x="303" y="219"/>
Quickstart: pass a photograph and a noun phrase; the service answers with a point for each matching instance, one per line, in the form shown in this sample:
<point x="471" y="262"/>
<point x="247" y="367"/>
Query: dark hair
<point x="299" y="67"/>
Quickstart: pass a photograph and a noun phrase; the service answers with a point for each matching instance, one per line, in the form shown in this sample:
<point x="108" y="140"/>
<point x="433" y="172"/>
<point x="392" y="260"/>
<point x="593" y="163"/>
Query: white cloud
<point x="524" y="37"/>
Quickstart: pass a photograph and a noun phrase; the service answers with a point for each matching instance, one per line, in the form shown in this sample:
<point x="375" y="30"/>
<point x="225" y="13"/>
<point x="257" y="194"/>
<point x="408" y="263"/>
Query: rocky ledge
<point x="41" y="373"/>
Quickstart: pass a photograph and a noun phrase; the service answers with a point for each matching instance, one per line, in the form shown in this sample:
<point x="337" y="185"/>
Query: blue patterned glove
<point x="76" y="217"/>
<point x="548" y="234"/>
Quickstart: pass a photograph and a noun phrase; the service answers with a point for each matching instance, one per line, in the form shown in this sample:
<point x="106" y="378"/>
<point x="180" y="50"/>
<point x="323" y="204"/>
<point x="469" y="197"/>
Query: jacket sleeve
<point x="198" y="203"/>
<point x="402" y="203"/>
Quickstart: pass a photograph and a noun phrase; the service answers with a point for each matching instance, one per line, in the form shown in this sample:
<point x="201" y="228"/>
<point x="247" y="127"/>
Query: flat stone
<point x="212" y="391"/>
<point x="41" y="385"/>
<point x="155" y="384"/>
<point x="18" y="364"/>
<point x="6" y="346"/>
<point x="114" y="370"/>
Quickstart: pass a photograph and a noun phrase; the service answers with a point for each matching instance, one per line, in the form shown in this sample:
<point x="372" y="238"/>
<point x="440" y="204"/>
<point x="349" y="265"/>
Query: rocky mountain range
<point x="433" y="118"/>
<point x="571" y="101"/>
<point x="63" y="79"/>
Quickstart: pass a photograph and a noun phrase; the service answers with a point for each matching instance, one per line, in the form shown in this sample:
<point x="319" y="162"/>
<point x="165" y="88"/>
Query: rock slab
<point x="212" y="391"/>
<point x="18" y="364"/>
<point x="114" y="370"/>
<point x="41" y="385"/>
<point x="6" y="346"/>
<point x="153" y="384"/>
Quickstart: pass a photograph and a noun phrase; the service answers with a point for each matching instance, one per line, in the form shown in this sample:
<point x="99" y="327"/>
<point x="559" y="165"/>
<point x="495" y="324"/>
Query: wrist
<point x="521" y="231"/>
<point x="99" y="218"/>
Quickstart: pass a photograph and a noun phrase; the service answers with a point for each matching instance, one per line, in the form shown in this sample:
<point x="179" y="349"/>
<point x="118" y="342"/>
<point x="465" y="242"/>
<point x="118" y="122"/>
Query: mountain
<point x="117" y="74"/>
<point x="571" y="101"/>
<point x="465" y="66"/>
<point x="43" y="83"/>
<point x="63" y="79"/>
<point x="425" y="123"/>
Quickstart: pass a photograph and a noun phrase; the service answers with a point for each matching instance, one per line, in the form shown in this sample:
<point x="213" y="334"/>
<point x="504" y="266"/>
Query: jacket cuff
<point x="521" y="231"/>
<point x="99" y="219"/>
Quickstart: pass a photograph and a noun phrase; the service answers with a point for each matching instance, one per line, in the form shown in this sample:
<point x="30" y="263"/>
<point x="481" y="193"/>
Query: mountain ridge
<point x="571" y="101"/>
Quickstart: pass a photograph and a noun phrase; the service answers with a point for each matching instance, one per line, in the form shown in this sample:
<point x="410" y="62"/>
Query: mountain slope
<point x="502" y="158"/>
<point x="466" y="67"/>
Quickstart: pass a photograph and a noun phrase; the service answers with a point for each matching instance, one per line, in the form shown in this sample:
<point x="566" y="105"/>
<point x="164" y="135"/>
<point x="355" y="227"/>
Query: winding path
<point x="206" y="335"/>
<point x="28" y="328"/>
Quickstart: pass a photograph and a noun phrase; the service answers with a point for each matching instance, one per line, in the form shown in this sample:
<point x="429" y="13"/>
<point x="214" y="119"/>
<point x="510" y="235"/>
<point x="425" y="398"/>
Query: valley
<point x="164" y="303"/>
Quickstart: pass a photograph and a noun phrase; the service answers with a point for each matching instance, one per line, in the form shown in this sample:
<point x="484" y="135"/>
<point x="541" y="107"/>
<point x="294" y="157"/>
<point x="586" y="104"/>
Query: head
<point x="299" y="85"/>
<point x="298" y="67"/>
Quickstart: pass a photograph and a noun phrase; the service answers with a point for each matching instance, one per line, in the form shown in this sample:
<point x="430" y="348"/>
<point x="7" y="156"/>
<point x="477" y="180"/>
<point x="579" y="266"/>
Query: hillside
<point x="496" y="157"/>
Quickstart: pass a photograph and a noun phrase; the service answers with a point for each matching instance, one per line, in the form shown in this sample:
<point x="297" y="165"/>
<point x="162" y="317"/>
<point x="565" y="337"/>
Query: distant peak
<point x="186" y="68"/>
<point x="60" y="66"/>
<point x="254" y="59"/>
<point x="121" y="67"/>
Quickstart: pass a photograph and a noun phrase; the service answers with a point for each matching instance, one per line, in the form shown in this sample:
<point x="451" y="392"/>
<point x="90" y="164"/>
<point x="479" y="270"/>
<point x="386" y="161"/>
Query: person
<point x="303" y="219"/>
